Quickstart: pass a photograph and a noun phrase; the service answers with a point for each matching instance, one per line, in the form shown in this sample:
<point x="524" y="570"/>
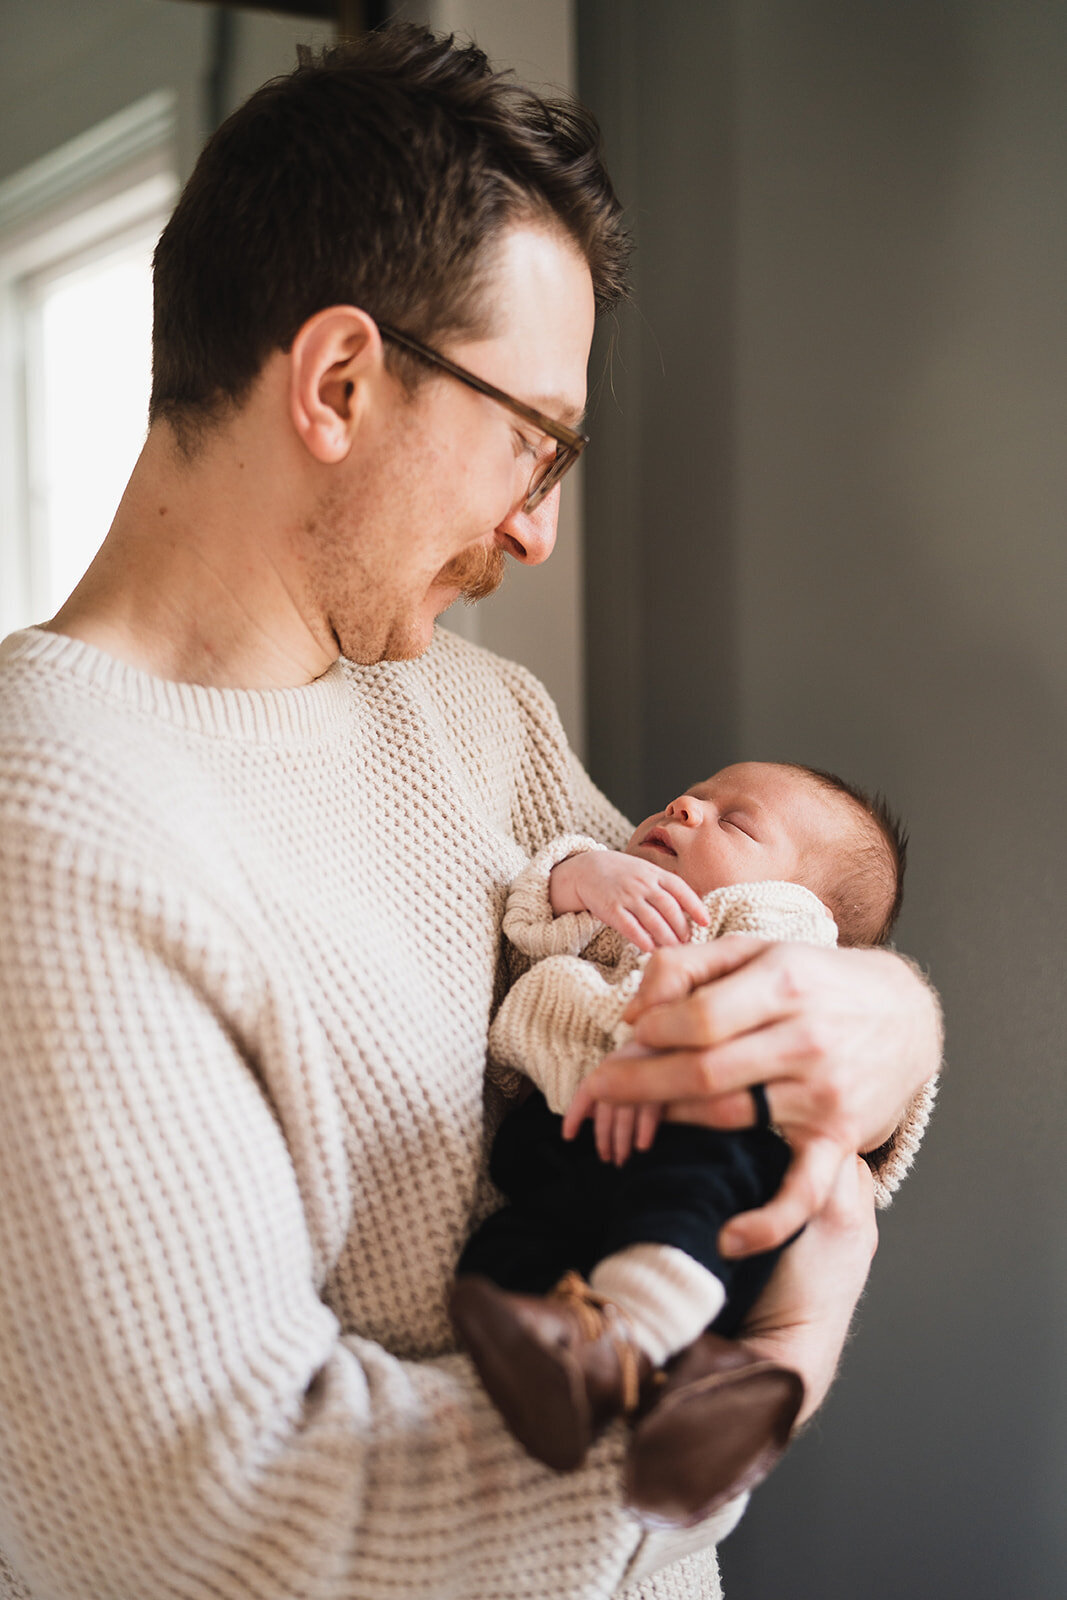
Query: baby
<point x="587" y="1296"/>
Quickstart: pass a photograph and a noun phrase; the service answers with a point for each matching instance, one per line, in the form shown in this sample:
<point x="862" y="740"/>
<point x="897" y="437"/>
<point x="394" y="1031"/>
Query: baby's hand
<point x="645" y="903"/>
<point x="618" y="1129"/>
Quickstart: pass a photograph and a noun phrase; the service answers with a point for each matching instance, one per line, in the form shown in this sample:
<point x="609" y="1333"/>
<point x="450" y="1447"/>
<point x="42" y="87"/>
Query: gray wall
<point x="848" y="383"/>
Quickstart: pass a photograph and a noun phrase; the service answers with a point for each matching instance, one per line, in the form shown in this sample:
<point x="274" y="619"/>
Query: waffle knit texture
<point x="562" y="1017"/>
<point x="249" y="948"/>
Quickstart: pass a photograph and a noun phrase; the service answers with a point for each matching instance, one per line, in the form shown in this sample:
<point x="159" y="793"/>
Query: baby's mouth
<point x="659" y="841"/>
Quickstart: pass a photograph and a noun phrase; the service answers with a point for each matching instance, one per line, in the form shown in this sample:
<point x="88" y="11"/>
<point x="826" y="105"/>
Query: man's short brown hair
<point x="380" y="175"/>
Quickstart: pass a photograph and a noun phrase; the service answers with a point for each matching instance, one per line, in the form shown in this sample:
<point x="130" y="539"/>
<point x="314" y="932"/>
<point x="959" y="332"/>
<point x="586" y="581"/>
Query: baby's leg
<point x="667" y="1297"/>
<point x="679" y="1194"/>
<point x="557" y="1194"/>
<point x="723" y="1413"/>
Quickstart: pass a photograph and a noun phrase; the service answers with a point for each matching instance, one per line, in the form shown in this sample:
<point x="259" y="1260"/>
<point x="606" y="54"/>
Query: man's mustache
<point x="476" y="574"/>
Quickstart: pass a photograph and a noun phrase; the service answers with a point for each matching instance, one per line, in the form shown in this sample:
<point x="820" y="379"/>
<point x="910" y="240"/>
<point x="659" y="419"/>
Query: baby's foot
<point x="558" y="1367"/>
<point x="720" y="1420"/>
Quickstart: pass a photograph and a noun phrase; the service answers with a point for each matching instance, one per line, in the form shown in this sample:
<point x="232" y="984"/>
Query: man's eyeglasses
<point x="569" y="443"/>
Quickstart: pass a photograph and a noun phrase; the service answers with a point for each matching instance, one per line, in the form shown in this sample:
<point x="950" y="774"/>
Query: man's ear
<point x="333" y="361"/>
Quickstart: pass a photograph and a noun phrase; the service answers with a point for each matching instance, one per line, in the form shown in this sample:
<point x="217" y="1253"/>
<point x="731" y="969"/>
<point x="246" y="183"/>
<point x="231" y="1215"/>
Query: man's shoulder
<point x="77" y="766"/>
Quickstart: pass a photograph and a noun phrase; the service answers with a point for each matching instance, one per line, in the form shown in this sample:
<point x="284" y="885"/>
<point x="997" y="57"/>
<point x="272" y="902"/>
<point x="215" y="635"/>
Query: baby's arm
<point x="648" y="905"/>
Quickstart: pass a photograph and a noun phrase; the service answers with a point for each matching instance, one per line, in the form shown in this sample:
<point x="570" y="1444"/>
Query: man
<point x="258" y="825"/>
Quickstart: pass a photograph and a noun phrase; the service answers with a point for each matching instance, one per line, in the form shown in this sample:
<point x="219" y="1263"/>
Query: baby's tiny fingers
<point x="629" y="925"/>
<point x="648" y="1120"/>
<point x="622" y="1139"/>
<point x="672" y="913"/>
<point x="577" y="1111"/>
<point x="691" y="903"/>
<point x="660" y="928"/>
<point x="603" y="1128"/>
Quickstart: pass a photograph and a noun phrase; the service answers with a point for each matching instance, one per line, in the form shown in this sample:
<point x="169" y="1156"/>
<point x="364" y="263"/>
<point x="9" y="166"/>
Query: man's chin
<point x="398" y="643"/>
<point x="472" y="576"/>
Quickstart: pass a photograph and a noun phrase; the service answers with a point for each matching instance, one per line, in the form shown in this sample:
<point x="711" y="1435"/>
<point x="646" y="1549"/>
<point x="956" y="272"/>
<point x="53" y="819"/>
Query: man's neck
<point x="196" y="580"/>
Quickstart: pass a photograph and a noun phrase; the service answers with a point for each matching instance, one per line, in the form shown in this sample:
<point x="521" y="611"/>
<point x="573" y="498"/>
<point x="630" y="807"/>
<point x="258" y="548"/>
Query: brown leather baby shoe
<point x="717" y="1425"/>
<point x="558" y="1367"/>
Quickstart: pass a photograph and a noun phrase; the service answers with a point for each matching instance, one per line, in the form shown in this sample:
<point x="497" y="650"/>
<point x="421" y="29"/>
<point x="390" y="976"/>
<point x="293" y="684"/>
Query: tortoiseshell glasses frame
<point x="569" y="442"/>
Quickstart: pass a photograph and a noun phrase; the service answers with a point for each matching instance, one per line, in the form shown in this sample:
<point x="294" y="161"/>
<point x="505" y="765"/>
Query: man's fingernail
<point x="732" y="1241"/>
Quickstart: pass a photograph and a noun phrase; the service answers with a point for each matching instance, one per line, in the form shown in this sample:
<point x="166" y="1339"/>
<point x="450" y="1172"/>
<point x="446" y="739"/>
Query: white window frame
<point x="92" y="193"/>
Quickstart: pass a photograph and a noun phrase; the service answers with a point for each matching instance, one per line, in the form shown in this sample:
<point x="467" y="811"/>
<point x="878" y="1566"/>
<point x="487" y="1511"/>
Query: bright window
<point x="76" y="310"/>
<point x="89" y="340"/>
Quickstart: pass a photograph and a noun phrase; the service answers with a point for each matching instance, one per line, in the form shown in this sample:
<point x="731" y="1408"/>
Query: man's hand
<point x="802" y="1317"/>
<point x="841" y="1039"/>
<point x="645" y="903"/>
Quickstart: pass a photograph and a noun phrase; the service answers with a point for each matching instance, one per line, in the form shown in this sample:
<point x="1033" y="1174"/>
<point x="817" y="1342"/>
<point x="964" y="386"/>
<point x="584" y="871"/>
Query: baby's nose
<point x="685" y="809"/>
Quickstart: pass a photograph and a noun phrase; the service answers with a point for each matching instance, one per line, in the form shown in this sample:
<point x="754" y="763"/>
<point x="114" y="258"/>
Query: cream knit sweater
<point x="249" y="946"/>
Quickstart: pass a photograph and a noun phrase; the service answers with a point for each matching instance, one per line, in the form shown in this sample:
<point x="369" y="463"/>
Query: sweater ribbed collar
<point x="261" y="715"/>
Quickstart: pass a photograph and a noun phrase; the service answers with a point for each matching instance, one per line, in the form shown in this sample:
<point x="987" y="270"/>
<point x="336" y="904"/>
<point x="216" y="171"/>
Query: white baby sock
<point x="667" y="1297"/>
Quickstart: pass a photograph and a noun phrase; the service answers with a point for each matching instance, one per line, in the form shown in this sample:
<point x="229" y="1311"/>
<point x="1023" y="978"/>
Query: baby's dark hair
<point x="866" y="891"/>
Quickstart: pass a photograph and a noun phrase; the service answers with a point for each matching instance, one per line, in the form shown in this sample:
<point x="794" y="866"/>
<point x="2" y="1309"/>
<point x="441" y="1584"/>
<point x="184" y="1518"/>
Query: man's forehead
<point x="539" y="300"/>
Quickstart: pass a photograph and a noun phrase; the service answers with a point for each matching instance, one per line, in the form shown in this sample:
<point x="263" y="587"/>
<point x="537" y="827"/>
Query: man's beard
<point x="476" y="574"/>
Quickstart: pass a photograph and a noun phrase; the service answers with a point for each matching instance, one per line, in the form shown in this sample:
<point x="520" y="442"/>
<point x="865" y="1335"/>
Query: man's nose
<point x="530" y="536"/>
<point x="685" y="810"/>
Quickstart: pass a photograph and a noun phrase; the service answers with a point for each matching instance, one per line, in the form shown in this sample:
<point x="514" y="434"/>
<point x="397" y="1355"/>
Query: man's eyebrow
<point x="557" y="409"/>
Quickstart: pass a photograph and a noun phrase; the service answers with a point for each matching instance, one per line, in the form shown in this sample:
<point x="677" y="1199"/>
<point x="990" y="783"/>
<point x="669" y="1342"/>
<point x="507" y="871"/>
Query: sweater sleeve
<point x="529" y="921"/>
<point x="561" y="1019"/>
<point x="892" y="1161"/>
<point x="770" y="909"/>
<point x="181" y="1415"/>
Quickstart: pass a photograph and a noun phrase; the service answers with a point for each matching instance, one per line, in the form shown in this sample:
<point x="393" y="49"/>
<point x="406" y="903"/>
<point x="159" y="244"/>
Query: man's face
<point x="749" y="823"/>
<point x="426" y="506"/>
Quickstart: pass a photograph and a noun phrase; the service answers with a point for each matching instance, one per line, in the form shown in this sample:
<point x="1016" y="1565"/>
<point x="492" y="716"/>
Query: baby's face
<point x="747" y="823"/>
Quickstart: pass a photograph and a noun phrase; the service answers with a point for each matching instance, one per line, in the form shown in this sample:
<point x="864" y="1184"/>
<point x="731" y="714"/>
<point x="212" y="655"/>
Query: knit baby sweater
<point x="249" y="948"/>
<point x="560" y="1019"/>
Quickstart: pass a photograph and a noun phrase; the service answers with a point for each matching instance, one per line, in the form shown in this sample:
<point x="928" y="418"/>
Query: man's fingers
<point x="804" y="1191"/>
<point x="672" y="977"/>
<point x="724" y="1111"/>
<point x="749" y="996"/>
<point x="697" y="1076"/>
<point x="635" y="1078"/>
